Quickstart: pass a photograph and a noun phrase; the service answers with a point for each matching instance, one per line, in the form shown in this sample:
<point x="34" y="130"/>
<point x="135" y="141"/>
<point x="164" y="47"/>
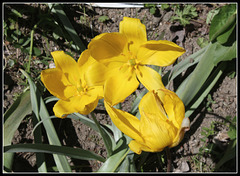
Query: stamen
<point x="129" y="43"/>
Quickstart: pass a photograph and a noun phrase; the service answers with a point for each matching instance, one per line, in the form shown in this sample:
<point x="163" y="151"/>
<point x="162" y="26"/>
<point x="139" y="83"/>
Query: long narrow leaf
<point x="128" y="164"/>
<point x="207" y="87"/>
<point x="119" y="154"/>
<point x="54" y="149"/>
<point x="61" y="161"/>
<point x="57" y="9"/>
<point x="105" y="134"/>
<point x="183" y="65"/>
<point x="12" y="119"/>
<point x="50" y="99"/>
<point x="197" y="78"/>
<point x="37" y="133"/>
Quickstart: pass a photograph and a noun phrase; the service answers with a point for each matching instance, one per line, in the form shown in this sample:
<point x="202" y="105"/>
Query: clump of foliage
<point x="184" y="13"/>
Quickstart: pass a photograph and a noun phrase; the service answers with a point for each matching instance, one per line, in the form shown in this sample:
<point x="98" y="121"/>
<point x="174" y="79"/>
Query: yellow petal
<point x="85" y="61"/>
<point x="95" y="73"/>
<point x="120" y="86"/>
<point x="135" y="32"/>
<point x="184" y="127"/>
<point x="83" y="104"/>
<point x="138" y="147"/>
<point x="161" y="53"/>
<point x="96" y="91"/>
<point x="149" y="78"/>
<point x="149" y="105"/>
<point x="57" y="84"/>
<point x="156" y="133"/>
<point x="68" y="66"/>
<point x="108" y="47"/>
<point x="125" y="122"/>
<point x="62" y="108"/>
<point x="173" y="106"/>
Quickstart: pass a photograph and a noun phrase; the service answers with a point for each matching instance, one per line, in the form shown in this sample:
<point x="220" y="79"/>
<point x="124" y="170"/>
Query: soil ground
<point x="74" y="133"/>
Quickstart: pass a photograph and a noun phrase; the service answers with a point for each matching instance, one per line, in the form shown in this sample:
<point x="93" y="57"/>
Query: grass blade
<point x="54" y="149"/>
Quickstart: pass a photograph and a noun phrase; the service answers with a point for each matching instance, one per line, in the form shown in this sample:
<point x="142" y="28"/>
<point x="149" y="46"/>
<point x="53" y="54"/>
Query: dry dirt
<point x="74" y="133"/>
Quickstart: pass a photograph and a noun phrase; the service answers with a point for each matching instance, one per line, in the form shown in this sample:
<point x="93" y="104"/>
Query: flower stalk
<point x="169" y="159"/>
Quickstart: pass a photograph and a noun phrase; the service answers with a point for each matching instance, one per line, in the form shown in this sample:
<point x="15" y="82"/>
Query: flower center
<point x="82" y="88"/>
<point x="132" y="62"/>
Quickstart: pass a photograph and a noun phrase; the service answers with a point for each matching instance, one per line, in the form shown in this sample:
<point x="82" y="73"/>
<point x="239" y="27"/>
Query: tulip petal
<point x="124" y="121"/>
<point x="138" y="147"/>
<point x="173" y="106"/>
<point x="96" y="91"/>
<point x="95" y="73"/>
<point x="85" y="60"/>
<point x="149" y="105"/>
<point x="184" y="127"/>
<point x="134" y="31"/>
<point x="149" y="78"/>
<point x="57" y="83"/>
<point x="120" y="86"/>
<point x="63" y="108"/>
<point x="161" y="53"/>
<point x="156" y="133"/>
<point x="68" y="66"/>
<point x="75" y="104"/>
<point x="108" y="47"/>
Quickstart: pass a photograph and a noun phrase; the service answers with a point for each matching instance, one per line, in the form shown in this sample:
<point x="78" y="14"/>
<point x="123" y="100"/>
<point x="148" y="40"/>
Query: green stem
<point x="31" y="48"/>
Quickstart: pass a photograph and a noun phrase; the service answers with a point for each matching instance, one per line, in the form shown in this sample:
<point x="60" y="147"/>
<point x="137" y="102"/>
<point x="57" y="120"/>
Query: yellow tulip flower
<point x="128" y="53"/>
<point x="162" y="123"/>
<point x="73" y="84"/>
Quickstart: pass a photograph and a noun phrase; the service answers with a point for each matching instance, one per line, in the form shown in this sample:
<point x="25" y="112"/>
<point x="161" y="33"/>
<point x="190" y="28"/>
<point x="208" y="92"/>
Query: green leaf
<point x="114" y="161"/>
<point x="15" y="12"/>
<point x="223" y="23"/>
<point x="54" y="149"/>
<point x="37" y="51"/>
<point x="128" y="164"/>
<point x="103" y="18"/>
<point x="202" y="42"/>
<point x="232" y="133"/>
<point x="211" y="14"/>
<point x="12" y="119"/>
<point x="183" y="65"/>
<point x="57" y="9"/>
<point x="225" y="53"/>
<point x="50" y="99"/>
<point x="104" y="135"/>
<point x="164" y="6"/>
<point x="228" y="155"/>
<point x="152" y="10"/>
<point x="110" y="143"/>
<point x="40" y="110"/>
<point x="192" y="84"/>
<point x="206" y="88"/>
